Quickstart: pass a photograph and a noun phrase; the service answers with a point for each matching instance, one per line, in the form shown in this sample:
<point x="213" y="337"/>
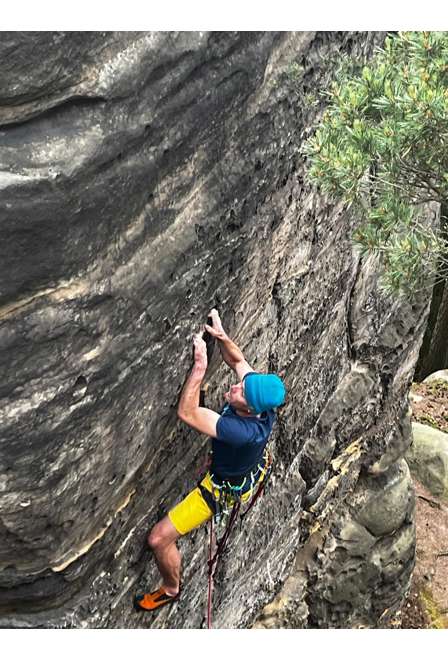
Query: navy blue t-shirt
<point x="240" y="442"/>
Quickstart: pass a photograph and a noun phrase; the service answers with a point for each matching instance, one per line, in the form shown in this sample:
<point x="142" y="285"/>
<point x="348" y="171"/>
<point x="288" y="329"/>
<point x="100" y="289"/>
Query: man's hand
<point x="200" y="353"/>
<point x="216" y="330"/>
<point x="230" y="352"/>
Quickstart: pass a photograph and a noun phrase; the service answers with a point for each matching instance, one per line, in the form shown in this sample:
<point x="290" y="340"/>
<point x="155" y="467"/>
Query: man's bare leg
<point x="162" y="541"/>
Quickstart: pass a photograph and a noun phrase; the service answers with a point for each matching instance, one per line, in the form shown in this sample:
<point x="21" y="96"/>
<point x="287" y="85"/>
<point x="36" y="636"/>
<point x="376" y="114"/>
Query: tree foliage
<point x="382" y="146"/>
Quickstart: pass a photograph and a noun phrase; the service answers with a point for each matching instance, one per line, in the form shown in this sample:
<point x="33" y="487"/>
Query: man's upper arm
<point x="242" y="368"/>
<point x="203" y="420"/>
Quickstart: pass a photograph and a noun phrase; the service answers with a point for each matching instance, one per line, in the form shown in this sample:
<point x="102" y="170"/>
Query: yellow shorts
<point x="193" y="510"/>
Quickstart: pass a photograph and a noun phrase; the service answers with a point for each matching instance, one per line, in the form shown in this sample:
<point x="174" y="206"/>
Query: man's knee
<point x="155" y="537"/>
<point x="162" y="534"/>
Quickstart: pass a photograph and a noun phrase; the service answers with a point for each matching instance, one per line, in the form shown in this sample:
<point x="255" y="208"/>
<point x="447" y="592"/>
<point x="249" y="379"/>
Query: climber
<point x="239" y="436"/>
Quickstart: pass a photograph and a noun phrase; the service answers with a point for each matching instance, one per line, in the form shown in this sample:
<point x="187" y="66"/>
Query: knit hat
<point x="263" y="391"/>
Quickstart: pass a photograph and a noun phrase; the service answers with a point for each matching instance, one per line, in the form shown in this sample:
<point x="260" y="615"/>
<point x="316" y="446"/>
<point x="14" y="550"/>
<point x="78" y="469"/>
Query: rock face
<point x="145" y="178"/>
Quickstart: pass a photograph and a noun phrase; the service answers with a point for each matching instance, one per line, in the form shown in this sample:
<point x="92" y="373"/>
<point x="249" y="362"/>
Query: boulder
<point x="437" y="375"/>
<point x="427" y="458"/>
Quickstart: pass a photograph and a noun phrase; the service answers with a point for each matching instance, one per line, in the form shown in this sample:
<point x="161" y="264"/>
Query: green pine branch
<point x="382" y="146"/>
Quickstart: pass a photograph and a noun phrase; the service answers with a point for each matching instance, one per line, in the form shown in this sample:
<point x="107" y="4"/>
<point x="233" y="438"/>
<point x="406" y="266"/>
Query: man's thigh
<point x="191" y="512"/>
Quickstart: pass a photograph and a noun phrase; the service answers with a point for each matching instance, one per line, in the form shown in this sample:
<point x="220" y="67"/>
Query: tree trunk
<point x="434" y="350"/>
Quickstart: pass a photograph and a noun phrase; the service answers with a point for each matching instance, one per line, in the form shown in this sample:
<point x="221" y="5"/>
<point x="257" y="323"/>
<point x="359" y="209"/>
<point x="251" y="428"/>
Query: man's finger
<point x="213" y="331"/>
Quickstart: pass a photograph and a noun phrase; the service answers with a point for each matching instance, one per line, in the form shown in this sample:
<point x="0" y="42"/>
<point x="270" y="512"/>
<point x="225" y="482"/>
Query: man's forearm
<point x="189" y="399"/>
<point x="230" y="352"/>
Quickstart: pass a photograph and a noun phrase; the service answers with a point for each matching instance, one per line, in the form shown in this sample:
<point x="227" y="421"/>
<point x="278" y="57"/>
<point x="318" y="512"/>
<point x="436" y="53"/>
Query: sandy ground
<point x="433" y="408"/>
<point x="427" y="603"/>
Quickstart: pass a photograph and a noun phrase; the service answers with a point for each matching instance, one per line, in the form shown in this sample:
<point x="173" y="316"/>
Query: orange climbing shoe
<point x="153" y="600"/>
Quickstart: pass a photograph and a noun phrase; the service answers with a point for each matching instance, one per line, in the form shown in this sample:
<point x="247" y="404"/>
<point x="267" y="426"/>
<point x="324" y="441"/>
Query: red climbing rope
<point x="213" y="559"/>
<point x="210" y="577"/>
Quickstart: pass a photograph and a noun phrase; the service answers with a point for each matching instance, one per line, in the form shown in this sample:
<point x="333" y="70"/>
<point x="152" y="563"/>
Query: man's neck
<point x="243" y="413"/>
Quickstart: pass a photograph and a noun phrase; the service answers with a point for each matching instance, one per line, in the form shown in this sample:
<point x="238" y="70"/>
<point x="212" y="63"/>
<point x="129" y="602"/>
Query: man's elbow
<point x="183" y="415"/>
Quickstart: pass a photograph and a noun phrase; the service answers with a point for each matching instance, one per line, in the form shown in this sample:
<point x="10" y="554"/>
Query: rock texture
<point x="146" y="177"/>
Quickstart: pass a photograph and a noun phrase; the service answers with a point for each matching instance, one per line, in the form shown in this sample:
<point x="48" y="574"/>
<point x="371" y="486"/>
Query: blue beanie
<point x="263" y="391"/>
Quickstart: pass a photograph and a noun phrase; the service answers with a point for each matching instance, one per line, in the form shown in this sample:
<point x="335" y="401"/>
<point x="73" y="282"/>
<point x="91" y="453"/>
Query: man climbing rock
<point x="239" y="436"/>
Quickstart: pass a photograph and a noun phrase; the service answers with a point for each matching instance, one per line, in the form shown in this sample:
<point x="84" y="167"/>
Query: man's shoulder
<point x="230" y="416"/>
<point x="231" y="427"/>
<point x="230" y="413"/>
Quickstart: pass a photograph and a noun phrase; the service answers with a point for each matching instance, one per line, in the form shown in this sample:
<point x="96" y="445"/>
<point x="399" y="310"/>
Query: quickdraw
<point x="226" y="506"/>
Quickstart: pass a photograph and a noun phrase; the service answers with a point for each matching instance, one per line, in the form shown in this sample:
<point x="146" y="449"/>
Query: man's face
<point x="235" y="396"/>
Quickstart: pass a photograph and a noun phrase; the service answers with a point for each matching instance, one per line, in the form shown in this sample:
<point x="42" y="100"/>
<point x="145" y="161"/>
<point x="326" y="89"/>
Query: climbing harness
<point x="225" y="503"/>
<point x="228" y="491"/>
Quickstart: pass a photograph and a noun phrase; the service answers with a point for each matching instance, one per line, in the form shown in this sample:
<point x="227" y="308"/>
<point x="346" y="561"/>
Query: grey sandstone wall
<point x="146" y="177"/>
